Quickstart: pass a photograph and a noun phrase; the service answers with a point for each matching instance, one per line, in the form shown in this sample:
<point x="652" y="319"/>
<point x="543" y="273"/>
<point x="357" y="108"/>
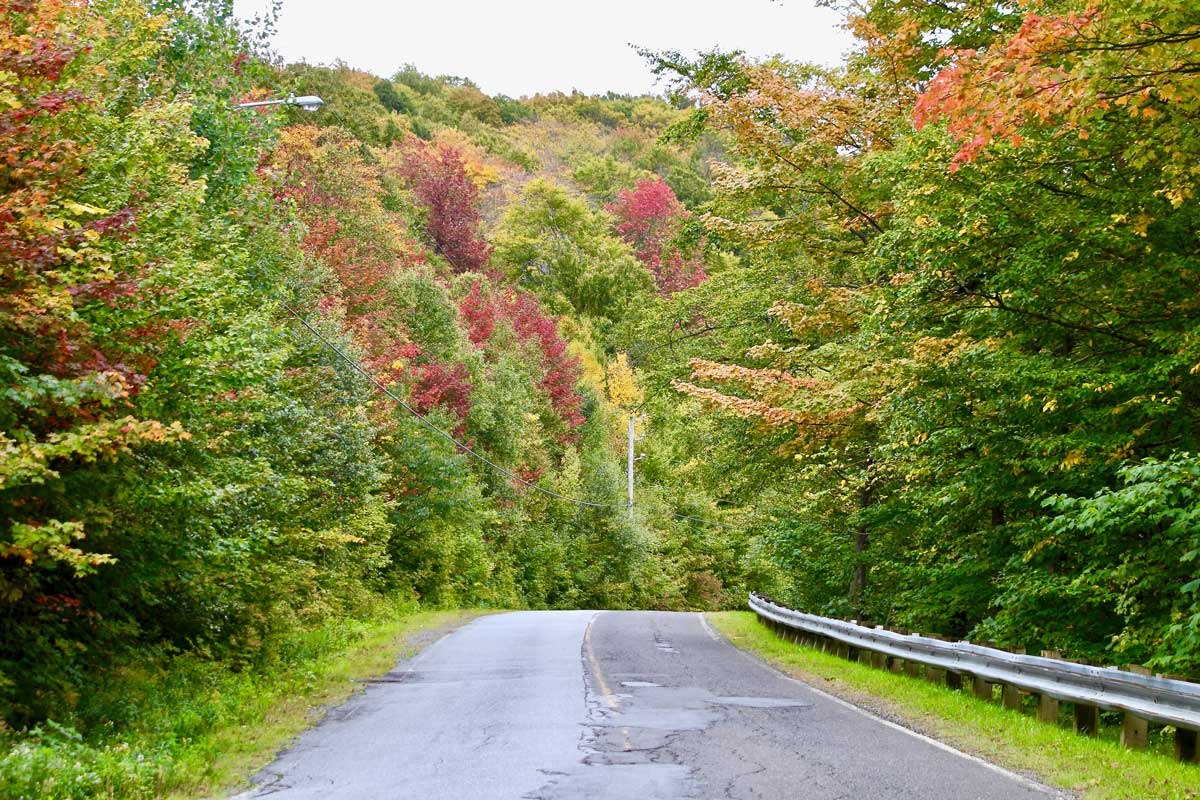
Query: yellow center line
<point x="591" y="657"/>
<point x="609" y="697"/>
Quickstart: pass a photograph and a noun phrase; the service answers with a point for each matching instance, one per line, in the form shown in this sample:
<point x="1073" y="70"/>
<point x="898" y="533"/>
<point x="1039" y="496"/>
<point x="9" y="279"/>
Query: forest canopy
<point x="914" y="339"/>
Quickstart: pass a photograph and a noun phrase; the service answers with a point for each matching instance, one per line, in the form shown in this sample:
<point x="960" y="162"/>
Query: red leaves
<point x="479" y="312"/>
<point x="524" y="313"/>
<point x="440" y="182"/>
<point x="448" y="386"/>
<point x="985" y="96"/>
<point x="650" y="218"/>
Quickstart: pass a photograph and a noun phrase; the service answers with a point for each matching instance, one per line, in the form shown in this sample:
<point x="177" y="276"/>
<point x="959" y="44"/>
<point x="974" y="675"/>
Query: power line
<point x="705" y="521"/>
<point x="425" y="421"/>
<point x="450" y="438"/>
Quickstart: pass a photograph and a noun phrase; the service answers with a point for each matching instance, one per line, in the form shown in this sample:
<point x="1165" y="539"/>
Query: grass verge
<point x="196" y="728"/>
<point x="1094" y="768"/>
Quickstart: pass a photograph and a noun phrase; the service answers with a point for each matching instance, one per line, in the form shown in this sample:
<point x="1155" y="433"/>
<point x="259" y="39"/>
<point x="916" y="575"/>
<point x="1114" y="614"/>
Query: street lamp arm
<point x="308" y="102"/>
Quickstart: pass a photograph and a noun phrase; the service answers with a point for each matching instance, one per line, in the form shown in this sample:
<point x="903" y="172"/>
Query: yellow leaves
<point x="1038" y="547"/>
<point x="1176" y="196"/>
<point x="1122" y="453"/>
<point x="83" y="209"/>
<point x="1142" y="224"/>
<point x="155" y="431"/>
<point x="940" y="350"/>
<point x="758" y="380"/>
<point x="1050" y="405"/>
<point x="1073" y="459"/>
<point x="621" y="383"/>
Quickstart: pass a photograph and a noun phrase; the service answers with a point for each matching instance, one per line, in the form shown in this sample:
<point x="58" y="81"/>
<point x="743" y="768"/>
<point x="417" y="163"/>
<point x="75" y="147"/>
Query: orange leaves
<point x="1061" y="71"/>
<point x="771" y="417"/>
<point x="990" y="95"/>
<point x="813" y="410"/>
<point x="760" y="381"/>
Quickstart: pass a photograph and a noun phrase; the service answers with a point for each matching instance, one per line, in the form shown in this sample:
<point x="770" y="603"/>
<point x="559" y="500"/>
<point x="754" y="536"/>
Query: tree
<point x="650" y="219"/>
<point x="441" y="185"/>
<point x="562" y="250"/>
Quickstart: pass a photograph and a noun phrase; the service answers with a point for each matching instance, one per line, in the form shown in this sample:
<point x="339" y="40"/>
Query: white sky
<point x="522" y="47"/>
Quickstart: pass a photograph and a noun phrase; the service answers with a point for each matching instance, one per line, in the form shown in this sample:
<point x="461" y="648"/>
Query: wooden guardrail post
<point x="1086" y="719"/>
<point x="1047" y="709"/>
<point x="1185" y="745"/>
<point x="935" y="675"/>
<point x="1135" y="731"/>
<point x="981" y="688"/>
<point x="1010" y="697"/>
<point x="1047" y="705"/>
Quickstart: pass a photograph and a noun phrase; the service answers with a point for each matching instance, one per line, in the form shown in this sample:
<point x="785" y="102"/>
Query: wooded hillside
<point x="914" y="339"/>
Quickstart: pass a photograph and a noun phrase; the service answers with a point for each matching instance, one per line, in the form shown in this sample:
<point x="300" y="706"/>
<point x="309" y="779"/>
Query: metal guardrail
<point x="1163" y="700"/>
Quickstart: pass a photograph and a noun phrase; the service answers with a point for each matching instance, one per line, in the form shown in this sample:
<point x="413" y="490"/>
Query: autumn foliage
<point x="650" y="218"/>
<point x="442" y="185"/>
<point x="522" y="312"/>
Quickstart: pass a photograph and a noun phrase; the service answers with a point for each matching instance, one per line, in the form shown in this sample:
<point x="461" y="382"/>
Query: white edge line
<point x="1021" y="779"/>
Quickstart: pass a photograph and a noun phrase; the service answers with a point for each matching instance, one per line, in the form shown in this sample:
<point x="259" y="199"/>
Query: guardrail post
<point x="896" y="665"/>
<point x="1048" y="709"/>
<point x="1135" y="731"/>
<point x="1185" y="745"/>
<point x="912" y="669"/>
<point x="1010" y="697"/>
<point x="981" y="688"/>
<point x="1047" y="705"/>
<point x="935" y="675"/>
<point x="1086" y="719"/>
<point x="954" y="680"/>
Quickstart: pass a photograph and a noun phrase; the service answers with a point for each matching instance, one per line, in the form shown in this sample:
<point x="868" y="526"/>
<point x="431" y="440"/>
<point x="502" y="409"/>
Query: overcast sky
<point x="521" y="47"/>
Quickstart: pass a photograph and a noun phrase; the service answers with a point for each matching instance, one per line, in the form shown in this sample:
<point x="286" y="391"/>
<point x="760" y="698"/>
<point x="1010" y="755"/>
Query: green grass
<point x="1095" y="768"/>
<point x="194" y="728"/>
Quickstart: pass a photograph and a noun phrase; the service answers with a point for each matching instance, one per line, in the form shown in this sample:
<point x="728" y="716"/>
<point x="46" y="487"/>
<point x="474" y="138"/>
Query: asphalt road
<point x="612" y="705"/>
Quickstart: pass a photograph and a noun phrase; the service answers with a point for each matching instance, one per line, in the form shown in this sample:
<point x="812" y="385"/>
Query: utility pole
<point x="630" y="459"/>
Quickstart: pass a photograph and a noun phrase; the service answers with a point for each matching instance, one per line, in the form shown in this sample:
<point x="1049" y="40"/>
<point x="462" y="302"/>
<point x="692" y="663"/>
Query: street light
<point x="308" y="102"/>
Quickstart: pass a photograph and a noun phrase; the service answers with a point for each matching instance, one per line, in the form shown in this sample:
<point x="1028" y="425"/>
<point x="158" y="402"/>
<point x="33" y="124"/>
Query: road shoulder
<point x="239" y="753"/>
<point x="1094" y="769"/>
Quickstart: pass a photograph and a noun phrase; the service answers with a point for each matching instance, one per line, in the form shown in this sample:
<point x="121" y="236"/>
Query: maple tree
<point x="440" y="182"/>
<point x="70" y="377"/>
<point x="650" y="218"/>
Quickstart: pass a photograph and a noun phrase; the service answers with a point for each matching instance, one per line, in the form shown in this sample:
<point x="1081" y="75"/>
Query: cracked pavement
<point x="629" y="705"/>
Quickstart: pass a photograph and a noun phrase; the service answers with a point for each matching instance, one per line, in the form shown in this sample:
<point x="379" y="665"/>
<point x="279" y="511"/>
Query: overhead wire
<point x="706" y="521"/>
<point x="449" y="437"/>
